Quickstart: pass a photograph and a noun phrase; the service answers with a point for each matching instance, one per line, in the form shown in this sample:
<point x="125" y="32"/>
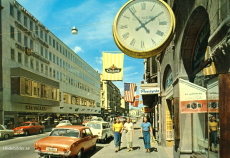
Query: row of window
<point x="52" y="42"/>
<point x="77" y="100"/>
<point x="50" y="56"/>
<point x="34" y="64"/>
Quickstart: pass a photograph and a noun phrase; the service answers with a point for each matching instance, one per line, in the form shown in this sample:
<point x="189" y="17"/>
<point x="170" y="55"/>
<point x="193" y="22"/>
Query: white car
<point x="64" y="123"/>
<point x="6" y="133"/>
<point x="102" y="129"/>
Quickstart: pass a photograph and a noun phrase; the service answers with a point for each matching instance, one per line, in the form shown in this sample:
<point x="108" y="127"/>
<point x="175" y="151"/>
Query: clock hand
<point x="153" y="18"/>
<point x="142" y="25"/>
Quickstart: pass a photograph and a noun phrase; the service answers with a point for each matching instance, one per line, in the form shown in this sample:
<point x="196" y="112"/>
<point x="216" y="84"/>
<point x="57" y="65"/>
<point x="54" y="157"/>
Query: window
<point x="46" y="70"/>
<point x="57" y="61"/>
<point x="41" y="49"/>
<point x="19" y="57"/>
<point x="12" y="32"/>
<point x="54" y="58"/>
<point x="19" y="37"/>
<point x="26" y="60"/>
<point x="46" y="53"/>
<point x="31" y="26"/>
<point x="60" y="76"/>
<point x="42" y="68"/>
<point x="31" y="63"/>
<point x="41" y="34"/>
<point x="50" y="72"/>
<point x="12" y="54"/>
<point x="25" y="21"/>
<point x="49" y="40"/>
<point x="37" y="65"/>
<point x="57" y="75"/>
<point x="46" y="37"/>
<point x="19" y="15"/>
<point x="11" y="10"/>
<point x="53" y="43"/>
<point x="54" y="74"/>
<point x="36" y="30"/>
<point x="31" y="44"/>
<point x="25" y="41"/>
<point x="50" y="56"/>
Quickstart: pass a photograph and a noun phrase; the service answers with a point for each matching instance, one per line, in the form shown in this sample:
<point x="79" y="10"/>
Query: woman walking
<point x="129" y="130"/>
<point x="117" y="129"/>
<point x="146" y="131"/>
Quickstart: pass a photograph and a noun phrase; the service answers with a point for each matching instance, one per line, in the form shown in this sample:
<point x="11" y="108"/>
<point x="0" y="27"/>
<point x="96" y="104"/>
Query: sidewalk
<point x="138" y="149"/>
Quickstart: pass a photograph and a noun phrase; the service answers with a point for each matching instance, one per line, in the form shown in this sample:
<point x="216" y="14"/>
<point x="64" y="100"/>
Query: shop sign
<point x="192" y="97"/>
<point x="39" y="108"/>
<point x="155" y="90"/>
<point x="213" y="96"/>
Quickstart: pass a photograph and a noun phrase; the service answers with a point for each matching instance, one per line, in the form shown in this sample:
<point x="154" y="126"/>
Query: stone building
<point x="193" y="75"/>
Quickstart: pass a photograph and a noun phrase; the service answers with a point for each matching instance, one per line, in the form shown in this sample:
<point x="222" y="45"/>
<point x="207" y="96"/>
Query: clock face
<point x="143" y="25"/>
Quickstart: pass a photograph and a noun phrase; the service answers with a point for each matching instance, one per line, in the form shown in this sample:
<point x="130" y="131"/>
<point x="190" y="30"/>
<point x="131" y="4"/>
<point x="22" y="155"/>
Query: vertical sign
<point x="113" y="66"/>
<point x="213" y="96"/>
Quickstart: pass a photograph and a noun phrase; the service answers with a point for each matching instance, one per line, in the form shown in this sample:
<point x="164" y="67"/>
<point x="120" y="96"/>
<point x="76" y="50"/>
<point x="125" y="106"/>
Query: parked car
<point x="6" y="133"/>
<point x="97" y="119"/>
<point x="64" y="123"/>
<point x="66" y="141"/>
<point x="102" y="129"/>
<point x="27" y="128"/>
<point x="85" y="121"/>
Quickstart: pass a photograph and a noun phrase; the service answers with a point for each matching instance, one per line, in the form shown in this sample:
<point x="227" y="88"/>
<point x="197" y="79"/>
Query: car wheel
<point x="6" y="136"/>
<point x="26" y="133"/>
<point x="40" y="131"/>
<point x="79" y="154"/>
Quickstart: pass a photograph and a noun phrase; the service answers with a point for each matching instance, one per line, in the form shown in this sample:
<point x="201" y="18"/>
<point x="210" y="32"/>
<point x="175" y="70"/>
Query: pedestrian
<point x="117" y="129"/>
<point x="146" y="131"/>
<point x="213" y="126"/>
<point x="10" y="125"/>
<point x="129" y="130"/>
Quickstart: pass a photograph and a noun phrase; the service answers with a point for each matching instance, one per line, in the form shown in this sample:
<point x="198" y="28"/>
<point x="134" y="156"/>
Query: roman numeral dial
<point x="143" y="26"/>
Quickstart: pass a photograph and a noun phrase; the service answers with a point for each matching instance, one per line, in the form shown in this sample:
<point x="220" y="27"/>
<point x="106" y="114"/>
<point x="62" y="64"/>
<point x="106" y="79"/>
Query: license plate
<point x="51" y="149"/>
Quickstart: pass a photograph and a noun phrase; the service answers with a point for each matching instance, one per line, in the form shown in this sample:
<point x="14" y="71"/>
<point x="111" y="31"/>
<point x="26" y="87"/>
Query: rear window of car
<point x="94" y="126"/>
<point x="65" y="132"/>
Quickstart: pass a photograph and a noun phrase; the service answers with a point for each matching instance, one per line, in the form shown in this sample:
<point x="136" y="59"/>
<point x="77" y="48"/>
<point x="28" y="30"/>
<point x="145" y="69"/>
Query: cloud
<point x="77" y="50"/>
<point x="98" y="60"/>
<point x="130" y="68"/>
<point x="131" y="74"/>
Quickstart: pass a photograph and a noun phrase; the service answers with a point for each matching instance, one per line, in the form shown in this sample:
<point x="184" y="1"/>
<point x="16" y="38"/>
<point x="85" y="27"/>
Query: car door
<point x="85" y="140"/>
<point x="91" y="138"/>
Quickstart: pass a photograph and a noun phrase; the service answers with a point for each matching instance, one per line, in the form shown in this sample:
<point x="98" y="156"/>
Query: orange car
<point x="27" y="128"/>
<point x="63" y="141"/>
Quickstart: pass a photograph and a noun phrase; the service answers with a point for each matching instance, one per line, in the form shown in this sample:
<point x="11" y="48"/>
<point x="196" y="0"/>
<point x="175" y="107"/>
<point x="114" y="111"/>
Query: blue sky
<point x="94" y="20"/>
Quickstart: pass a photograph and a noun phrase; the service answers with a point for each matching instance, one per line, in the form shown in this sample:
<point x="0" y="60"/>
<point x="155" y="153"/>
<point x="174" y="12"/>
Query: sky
<point x="94" y="20"/>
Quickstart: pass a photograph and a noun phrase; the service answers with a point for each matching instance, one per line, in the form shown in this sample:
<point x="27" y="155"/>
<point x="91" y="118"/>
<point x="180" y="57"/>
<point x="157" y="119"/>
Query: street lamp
<point x="74" y="30"/>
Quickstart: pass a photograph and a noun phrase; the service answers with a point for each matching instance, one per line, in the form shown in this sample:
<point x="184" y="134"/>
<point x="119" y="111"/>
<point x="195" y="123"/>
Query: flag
<point x="129" y="91"/>
<point x="113" y="66"/>
<point x="136" y="102"/>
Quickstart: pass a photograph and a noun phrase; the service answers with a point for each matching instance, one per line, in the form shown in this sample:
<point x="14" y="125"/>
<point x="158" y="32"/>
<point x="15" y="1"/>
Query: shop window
<point x="28" y="87"/>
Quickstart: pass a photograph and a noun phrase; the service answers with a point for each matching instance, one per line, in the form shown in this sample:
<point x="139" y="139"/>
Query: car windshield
<point x="25" y="124"/>
<point x="94" y="126"/>
<point x="65" y="132"/>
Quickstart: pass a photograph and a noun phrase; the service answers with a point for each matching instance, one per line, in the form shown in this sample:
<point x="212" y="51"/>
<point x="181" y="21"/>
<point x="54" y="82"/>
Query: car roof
<point x="73" y="127"/>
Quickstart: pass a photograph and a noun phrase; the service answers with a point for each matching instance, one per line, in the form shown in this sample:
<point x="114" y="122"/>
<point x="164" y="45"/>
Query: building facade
<point x="193" y="76"/>
<point x="110" y="99"/>
<point x="41" y="78"/>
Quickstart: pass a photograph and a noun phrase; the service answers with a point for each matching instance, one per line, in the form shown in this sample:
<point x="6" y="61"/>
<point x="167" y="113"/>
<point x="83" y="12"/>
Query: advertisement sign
<point x="147" y="110"/>
<point x="213" y="97"/>
<point x="145" y="91"/>
<point x="192" y="97"/>
<point x="113" y="66"/>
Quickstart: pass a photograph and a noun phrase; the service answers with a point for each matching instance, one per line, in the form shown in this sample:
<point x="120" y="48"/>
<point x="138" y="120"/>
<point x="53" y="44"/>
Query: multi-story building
<point x="41" y="78"/>
<point x="193" y="77"/>
<point x="110" y="99"/>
